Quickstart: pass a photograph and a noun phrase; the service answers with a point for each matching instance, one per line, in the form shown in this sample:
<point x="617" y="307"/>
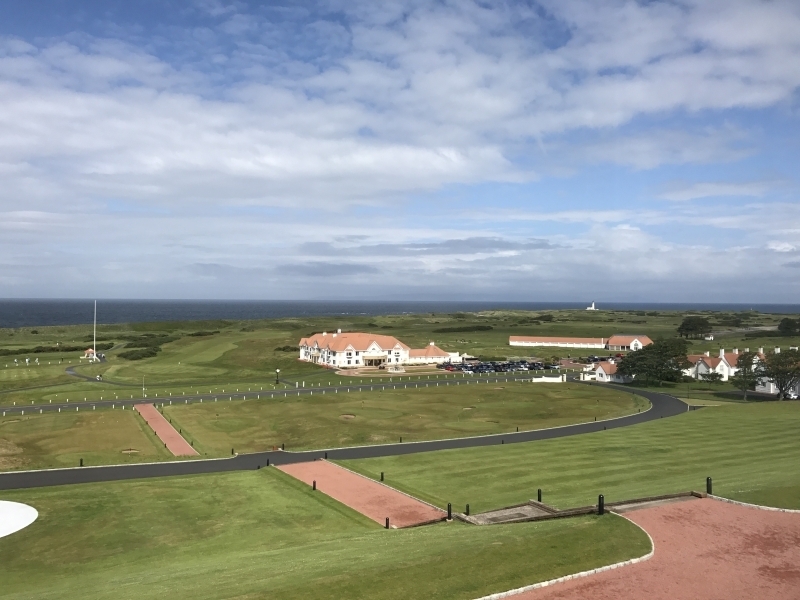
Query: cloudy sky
<point x="552" y="150"/>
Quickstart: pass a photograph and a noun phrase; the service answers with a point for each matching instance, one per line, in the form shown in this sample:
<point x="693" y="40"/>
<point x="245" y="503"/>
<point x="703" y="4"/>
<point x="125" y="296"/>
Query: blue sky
<point x="555" y="150"/>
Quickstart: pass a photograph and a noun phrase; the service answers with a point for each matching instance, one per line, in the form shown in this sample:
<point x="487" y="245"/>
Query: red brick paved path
<point x="165" y="431"/>
<point x="368" y="497"/>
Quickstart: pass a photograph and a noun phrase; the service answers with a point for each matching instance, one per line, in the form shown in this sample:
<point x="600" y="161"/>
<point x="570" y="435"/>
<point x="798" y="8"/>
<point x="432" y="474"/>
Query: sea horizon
<point x="43" y="312"/>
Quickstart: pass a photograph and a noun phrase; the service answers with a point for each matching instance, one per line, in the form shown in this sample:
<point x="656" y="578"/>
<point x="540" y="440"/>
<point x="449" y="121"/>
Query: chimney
<point x="708" y="353"/>
<point x="736" y="351"/>
<point x="722" y="352"/>
<point x="777" y="350"/>
<point x="334" y="335"/>
<point x="432" y="344"/>
<point x="324" y="333"/>
<point x="338" y="331"/>
<point x="761" y="351"/>
<point x="747" y="349"/>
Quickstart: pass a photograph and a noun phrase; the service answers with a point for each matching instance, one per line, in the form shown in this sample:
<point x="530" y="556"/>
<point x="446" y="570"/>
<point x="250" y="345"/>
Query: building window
<point x="348" y="362"/>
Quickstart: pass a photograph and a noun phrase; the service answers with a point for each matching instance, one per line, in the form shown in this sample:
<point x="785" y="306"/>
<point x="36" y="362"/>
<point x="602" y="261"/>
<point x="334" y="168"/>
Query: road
<point x="662" y="406"/>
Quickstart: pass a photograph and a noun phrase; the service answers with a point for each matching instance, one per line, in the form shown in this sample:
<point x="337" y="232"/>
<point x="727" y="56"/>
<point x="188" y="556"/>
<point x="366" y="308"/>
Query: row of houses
<point x="355" y="349"/>
<point x="616" y="343"/>
<point x="726" y="364"/>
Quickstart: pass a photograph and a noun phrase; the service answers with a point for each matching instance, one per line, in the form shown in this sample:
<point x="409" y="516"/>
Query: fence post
<point x="601" y="509"/>
<point x="539" y="495"/>
<point x="708" y="486"/>
<point x="449" y="512"/>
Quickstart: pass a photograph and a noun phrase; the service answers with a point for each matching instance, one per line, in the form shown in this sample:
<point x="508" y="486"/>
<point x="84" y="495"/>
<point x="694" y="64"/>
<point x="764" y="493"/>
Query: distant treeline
<point x="286" y="349"/>
<point x="463" y="329"/>
<point x="44" y="349"/>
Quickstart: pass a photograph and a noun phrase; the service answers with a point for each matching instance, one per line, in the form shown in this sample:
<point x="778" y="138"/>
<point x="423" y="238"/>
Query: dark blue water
<point x="40" y="313"/>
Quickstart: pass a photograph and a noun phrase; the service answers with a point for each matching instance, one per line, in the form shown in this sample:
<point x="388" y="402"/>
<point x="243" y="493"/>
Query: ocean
<point x="41" y="313"/>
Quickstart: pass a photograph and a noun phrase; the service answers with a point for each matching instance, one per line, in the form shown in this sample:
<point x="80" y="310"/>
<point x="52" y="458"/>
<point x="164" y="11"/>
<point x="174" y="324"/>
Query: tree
<point x="747" y="374"/>
<point x="694" y="327"/>
<point x="713" y="377"/>
<point x="789" y="326"/>
<point x="663" y="360"/>
<point x="783" y="369"/>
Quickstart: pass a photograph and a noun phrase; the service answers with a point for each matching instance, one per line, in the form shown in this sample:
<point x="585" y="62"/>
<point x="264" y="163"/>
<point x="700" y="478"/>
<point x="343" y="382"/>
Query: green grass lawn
<point x="246" y="353"/>
<point x="358" y="418"/>
<point x="50" y="440"/>
<point x="261" y="534"/>
<point x="750" y="450"/>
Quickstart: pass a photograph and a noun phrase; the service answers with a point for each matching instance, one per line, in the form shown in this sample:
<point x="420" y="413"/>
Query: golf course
<point x="263" y="533"/>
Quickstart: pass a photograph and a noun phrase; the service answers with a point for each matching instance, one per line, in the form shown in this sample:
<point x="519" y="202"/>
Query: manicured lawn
<point x="261" y="534"/>
<point x="48" y="440"/>
<point x="357" y="418"/>
<point x="750" y="451"/>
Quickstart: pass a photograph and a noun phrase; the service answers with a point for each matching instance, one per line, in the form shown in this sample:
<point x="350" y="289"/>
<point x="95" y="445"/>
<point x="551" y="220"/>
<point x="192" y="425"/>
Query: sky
<point x="572" y="150"/>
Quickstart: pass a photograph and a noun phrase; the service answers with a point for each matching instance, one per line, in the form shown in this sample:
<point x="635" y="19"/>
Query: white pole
<point x="95" y="330"/>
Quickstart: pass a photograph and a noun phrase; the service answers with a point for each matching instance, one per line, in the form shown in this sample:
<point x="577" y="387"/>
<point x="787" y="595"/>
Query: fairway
<point x="61" y="439"/>
<point x="262" y="534"/>
<point x="361" y="418"/>
<point x="750" y="451"/>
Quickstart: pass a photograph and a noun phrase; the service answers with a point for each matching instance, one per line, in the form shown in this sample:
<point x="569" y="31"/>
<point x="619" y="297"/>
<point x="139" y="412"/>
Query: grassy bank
<point x="750" y="451"/>
<point x="261" y="534"/>
<point x="358" y="418"/>
<point x="51" y="440"/>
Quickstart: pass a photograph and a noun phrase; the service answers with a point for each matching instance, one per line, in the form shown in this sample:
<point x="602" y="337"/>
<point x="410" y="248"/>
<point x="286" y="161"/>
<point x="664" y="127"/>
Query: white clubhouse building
<point x="352" y="349"/>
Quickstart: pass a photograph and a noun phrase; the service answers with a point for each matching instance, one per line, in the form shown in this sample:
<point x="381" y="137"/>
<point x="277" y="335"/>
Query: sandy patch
<point x="347" y="417"/>
<point x="15" y="516"/>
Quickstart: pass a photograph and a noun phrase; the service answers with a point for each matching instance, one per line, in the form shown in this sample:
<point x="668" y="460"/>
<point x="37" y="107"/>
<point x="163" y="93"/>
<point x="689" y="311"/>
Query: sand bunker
<point x="347" y="417"/>
<point x="15" y="516"/>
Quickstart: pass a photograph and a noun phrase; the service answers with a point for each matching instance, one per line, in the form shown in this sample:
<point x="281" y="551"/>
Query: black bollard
<point x="283" y="446"/>
<point x="387" y="522"/>
<point x="326" y="456"/>
<point x="314" y="485"/>
<point x="539" y="495"/>
<point x="467" y="511"/>
<point x="258" y="467"/>
<point x="708" y="486"/>
<point x="401" y="439"/>
<point x="449" y="512"/>
<point x="502" y="441"/>
<point x="381" y="475"/>
<point x="517" y="429"/>
<point x="601" y="509"/>
<point x="81" y="462"/>
<point x="192" y="443"/>
<point x="232" y="452"/>
<point x="267" y="462"/>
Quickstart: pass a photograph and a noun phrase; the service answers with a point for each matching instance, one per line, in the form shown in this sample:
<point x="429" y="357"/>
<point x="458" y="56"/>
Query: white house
<point x="343" y="350"/>
<point x="607" y="373"/>
<point x="725" y="364"/>
<point x="767" y="386"/>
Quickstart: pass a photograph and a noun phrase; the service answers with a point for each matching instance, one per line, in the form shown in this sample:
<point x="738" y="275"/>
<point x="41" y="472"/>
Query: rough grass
<point x="51" y="440"/>
<point x="262" y="534"/>
<point x="750" y="451"/>
<point x="358" y="418"/>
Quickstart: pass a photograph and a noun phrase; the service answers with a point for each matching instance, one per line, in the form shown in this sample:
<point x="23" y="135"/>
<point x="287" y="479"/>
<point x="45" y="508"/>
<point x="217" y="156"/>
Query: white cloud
<point x="782" y="246"/>
<point x="330" y="125"/>
<point x="754" y="189"/>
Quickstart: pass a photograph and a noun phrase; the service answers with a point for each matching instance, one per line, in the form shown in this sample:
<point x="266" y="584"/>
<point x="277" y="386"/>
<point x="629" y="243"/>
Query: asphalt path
<point x="662" y="405"/>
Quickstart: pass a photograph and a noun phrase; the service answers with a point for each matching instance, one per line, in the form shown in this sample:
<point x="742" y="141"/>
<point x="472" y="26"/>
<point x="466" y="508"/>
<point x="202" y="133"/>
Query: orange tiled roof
<point x="430" y="350"/>
<point x="608" y="368"/>
<point x="358" y="341"/>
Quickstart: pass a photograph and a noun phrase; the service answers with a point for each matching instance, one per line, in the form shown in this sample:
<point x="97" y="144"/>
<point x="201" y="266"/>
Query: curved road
<point x="662" y="406"/>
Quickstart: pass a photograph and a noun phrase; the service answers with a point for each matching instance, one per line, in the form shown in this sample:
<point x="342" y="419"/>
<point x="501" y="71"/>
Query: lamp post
<point x="277" y="373"/>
